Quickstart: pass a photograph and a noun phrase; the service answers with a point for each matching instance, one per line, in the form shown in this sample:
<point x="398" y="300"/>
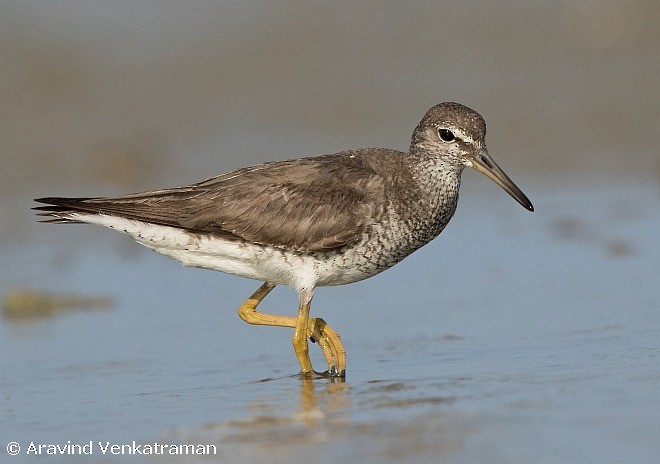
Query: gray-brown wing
<point x="309" y="204"/>
<point x="312" y="204"/>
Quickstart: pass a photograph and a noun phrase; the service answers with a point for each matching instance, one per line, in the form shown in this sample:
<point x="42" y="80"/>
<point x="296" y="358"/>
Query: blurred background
<point x="107" y="97"/>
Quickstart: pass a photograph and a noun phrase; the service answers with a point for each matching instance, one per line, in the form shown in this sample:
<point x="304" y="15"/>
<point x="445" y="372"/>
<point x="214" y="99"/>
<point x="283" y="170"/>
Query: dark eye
<point x="446" y="135"/>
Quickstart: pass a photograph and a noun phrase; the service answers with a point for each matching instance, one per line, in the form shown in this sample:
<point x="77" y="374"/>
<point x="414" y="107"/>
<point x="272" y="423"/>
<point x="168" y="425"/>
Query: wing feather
<point x="308" y="204"/>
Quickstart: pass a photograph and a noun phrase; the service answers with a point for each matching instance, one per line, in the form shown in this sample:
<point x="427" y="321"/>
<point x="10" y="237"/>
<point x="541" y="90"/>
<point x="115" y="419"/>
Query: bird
<point x="307" y="222"/>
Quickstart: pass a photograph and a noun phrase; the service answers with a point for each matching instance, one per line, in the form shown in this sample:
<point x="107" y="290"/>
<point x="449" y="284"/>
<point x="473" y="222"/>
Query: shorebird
<point x="308" y="222"/>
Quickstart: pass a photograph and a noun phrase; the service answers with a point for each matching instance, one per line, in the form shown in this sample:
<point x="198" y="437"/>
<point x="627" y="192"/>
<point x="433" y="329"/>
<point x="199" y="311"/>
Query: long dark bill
<point x="483" y="163"/>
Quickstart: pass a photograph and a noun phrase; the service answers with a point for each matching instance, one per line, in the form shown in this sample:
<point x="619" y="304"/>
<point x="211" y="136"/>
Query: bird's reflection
<point x="289" y="415"/>
<point x="321" y="399"/>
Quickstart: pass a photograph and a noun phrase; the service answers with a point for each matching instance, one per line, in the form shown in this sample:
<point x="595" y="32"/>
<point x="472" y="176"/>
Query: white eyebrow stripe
<point x="462" y="135"/>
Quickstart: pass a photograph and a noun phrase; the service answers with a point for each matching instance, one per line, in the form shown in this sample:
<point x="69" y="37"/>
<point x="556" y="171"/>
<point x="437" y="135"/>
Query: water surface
<point x="513" y="336"/>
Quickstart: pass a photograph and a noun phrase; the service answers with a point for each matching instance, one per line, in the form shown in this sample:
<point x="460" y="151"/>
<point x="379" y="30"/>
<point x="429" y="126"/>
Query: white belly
<point x="260" y="262"/>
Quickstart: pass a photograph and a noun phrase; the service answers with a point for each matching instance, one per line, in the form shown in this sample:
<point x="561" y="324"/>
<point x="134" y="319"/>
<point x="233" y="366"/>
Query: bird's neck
<point x="438" y="184"/>
<point x="438" y="179"/>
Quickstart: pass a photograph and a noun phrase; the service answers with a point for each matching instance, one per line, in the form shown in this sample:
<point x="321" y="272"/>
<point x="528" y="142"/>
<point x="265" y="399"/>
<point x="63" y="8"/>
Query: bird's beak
<point x="482" y="162"/>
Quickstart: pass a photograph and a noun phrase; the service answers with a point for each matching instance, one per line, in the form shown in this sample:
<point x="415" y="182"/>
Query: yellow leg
<point x="304" y="326"/>
<point x="299" y="340"/>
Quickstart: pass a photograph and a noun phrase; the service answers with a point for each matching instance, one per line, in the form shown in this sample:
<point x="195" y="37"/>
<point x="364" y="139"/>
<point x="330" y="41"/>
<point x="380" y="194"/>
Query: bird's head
<point x="456" y="135"/>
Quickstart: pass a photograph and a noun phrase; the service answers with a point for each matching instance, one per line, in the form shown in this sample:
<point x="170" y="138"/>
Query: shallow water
<point x="511" y="338"/>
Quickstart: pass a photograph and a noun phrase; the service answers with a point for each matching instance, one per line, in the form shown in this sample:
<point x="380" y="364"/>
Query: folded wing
<point x="312" y="204"/>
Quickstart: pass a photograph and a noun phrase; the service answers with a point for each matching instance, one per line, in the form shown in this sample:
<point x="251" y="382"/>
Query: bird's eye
<point x="446" y="135"/>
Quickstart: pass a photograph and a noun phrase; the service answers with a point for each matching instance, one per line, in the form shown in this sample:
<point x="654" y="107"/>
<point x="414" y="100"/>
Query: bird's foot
<point x="320" y="332"/>
<point x="314" y="375"/>
<point x="333" y="374"/>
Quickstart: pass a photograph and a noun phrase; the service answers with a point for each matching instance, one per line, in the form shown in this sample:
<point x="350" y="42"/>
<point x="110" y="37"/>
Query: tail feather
<point x="59" y="207"/>
<point x="146" y="209"/>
